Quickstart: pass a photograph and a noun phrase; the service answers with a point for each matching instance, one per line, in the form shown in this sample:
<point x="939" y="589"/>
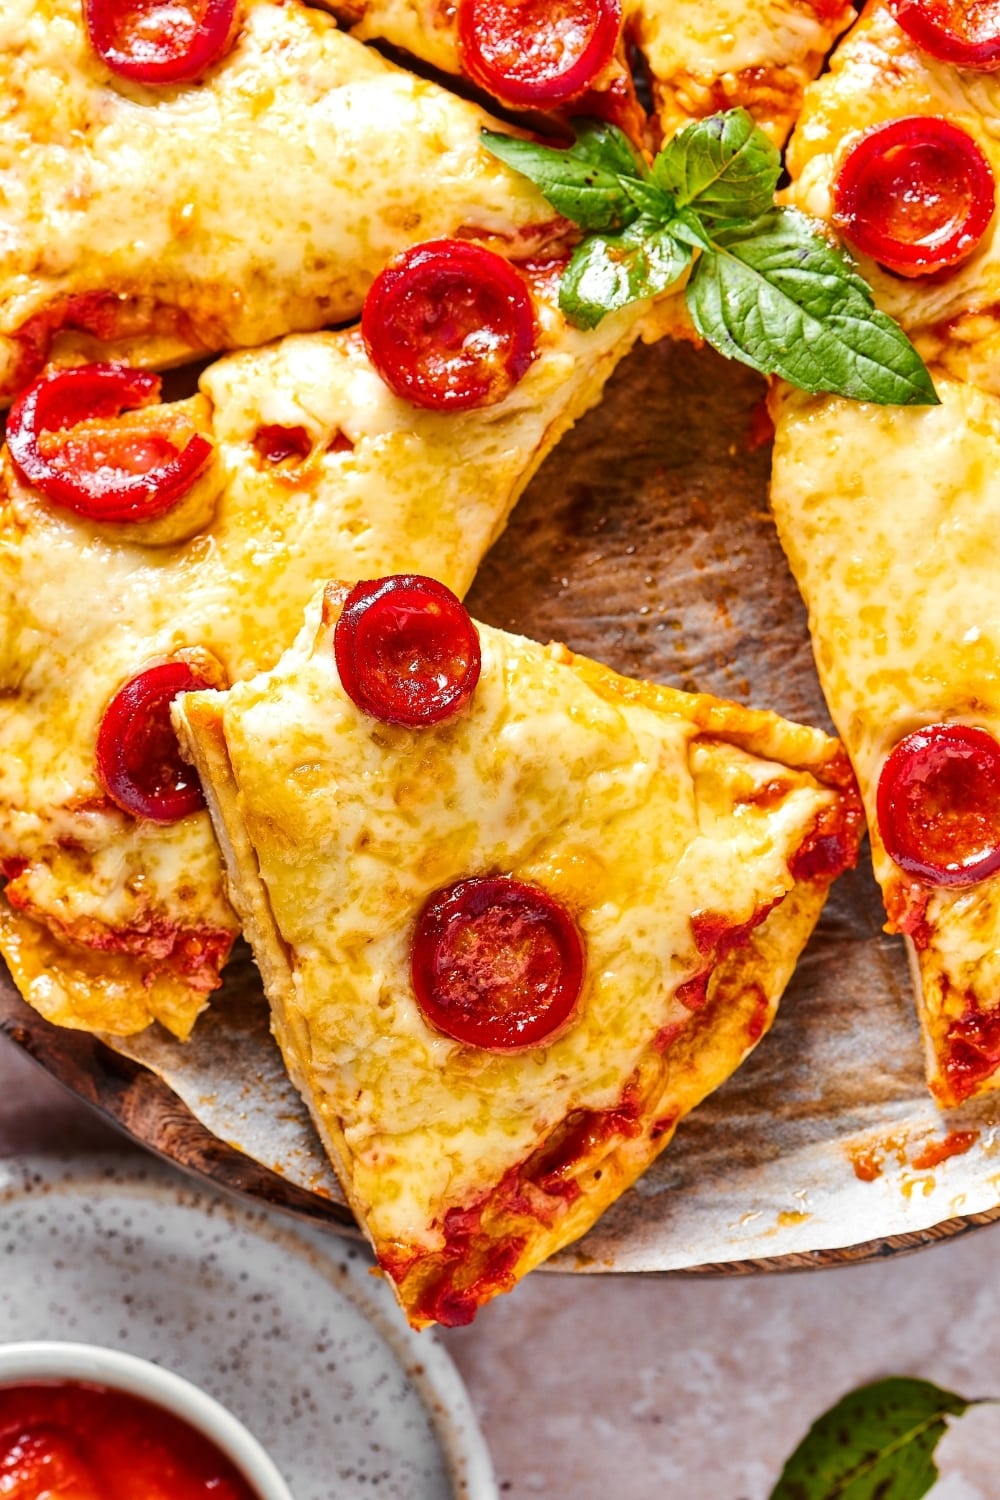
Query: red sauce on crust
<point x="715" y="936"/>
<point x="194" y="954"/>
<point x="831" y="846"/>
<point x="104" y="315"/>
<point x="971" y="1052"/>
<point x="757" y="1024"/>
<point x="457" y="1279"/>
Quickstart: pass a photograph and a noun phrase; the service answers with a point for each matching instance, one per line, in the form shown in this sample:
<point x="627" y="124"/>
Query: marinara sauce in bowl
<point x="87" y="1423"/>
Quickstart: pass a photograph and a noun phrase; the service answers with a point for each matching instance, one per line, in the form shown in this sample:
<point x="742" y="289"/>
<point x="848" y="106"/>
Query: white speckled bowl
<point x="140" y="1377"/>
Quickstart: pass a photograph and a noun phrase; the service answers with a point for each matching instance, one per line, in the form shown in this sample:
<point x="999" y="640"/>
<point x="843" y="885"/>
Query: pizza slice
<point x="575" y="57"/>
<point x="890" y="519"/>
<point x="145" y="548"/>
<point x="515" y="914"/>
<point x="897" y="148"/>
<point x="181" y="179"/>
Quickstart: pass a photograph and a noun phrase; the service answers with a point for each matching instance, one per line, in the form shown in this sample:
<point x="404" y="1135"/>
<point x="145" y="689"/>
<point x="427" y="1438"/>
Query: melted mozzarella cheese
<point x="386" y="488"/>
<point x="608" y="795"/>
<point x="261" y="200"/>
<point x="890" y="519"/>
<point x="876" y="75"/>
<point x="701" y="57"/>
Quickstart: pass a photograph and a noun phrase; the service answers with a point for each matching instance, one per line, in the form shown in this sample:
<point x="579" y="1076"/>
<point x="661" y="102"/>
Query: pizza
<point x="896" y="146"/>
<point x="602" y="884"/>
<point x="202" y="527"/>
<point x="578" y="56"/>
<point x="516" y="915"/>
<point x="255" y="191"/>
<point x="889" y="519"/>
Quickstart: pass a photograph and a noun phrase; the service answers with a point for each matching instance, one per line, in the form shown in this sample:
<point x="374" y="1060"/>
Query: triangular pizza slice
<point x="890" y="520"/>
<point x="184" y="539"/>
<point x="897" y="147"/>
<point x="577" y="56"/>
<point x="516" y="915"/>
<point x="163" y="200"/>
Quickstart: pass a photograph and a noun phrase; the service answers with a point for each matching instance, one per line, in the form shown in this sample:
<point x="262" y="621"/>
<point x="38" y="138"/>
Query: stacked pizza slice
<point x="890" y="517"/>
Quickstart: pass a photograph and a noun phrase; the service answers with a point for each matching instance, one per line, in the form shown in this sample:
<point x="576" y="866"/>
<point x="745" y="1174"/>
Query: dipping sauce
<point x="70" y="1441"/>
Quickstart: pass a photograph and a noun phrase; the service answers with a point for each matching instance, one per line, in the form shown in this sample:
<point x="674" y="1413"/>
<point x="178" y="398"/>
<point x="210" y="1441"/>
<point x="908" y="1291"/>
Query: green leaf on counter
<point x="876" y="1444"/>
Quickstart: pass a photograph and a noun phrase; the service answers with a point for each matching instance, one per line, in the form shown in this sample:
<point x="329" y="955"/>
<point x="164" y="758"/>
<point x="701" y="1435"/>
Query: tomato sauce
<point x="71" y="1441"/>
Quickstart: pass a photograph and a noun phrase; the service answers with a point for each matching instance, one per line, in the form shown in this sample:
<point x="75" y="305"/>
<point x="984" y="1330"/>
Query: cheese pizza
<point x="515" y="914"/>
<point x="147" y="548"/>
<point x="898" y="147"/>
<point x="576" y="56"/>
<point x="257" y="193"/>
<point x="889" y="519"/>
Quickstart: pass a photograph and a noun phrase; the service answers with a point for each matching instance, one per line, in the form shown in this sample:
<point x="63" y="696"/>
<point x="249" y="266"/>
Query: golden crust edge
<point x="199" y="721"/>
<point x="77" y="988"/>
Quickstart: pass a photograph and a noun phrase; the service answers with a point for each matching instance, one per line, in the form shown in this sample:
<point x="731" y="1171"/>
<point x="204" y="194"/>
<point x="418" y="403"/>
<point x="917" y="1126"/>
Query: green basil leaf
<point x="688" y="228"/>
<point x="876" y="1444"/>
<point x="607" y="147"/>
<point x="778" y="296"/>
<point x="610" y="271"/>
<point x="651" y="201"/>
<point x="725" y="167"/>
<point x="584" y="181"/>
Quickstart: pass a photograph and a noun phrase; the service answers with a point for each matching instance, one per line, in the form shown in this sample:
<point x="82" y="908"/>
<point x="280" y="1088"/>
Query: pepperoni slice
<point x="496" y="963"/>
<point x="538" y="52"/>
<point x="917" y="195"/>
<point x="955" y="31"/>
<point x="938" y="804"/>
<point x="449" y="326"/>
<point x="406" y="650"/>
<point x="158" y="42"/>
<point x="139" y="762"/>
<point x="106" y="475"/>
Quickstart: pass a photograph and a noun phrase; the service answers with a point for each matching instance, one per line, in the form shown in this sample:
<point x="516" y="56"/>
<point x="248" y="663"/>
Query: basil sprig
<point x="767" y="286"/>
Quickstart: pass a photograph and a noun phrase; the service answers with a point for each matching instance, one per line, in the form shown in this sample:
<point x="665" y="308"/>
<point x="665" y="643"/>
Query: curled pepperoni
<point x="917" y="195"/>
<point x="449" y="326"/>
<point x="406" y="650"/>
<point x="157" y="42"/>
<point x="938" y="804"/>
<point x="955" y="31"/>
<point x="496" y="964"/>
<point x="108" y="475"/>
<point x="139" y="762"/>
<point x="539" y="53"/>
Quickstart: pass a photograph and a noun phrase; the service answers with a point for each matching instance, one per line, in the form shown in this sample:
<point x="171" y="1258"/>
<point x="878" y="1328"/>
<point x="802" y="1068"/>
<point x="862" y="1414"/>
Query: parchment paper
<point x="645" y="542"/>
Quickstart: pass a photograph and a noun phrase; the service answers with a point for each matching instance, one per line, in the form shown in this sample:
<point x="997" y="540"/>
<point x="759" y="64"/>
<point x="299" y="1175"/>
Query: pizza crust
<point x="889" y="519"/>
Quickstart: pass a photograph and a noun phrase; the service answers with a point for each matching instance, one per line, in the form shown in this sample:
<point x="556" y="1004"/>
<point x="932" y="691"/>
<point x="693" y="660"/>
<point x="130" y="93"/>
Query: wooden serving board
<point x="645" y="542"/>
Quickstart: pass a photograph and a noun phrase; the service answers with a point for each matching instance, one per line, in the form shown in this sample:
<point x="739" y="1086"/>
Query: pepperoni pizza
<point x="145" y="549"/>
<point x="516" y="915"/>
<point x="162" y="202"/>
<point x="889" y="518"/>
<point x="576" y="56"/>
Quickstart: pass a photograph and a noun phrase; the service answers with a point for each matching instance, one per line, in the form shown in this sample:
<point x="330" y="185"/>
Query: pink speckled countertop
<point x="629" y="1388"/>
